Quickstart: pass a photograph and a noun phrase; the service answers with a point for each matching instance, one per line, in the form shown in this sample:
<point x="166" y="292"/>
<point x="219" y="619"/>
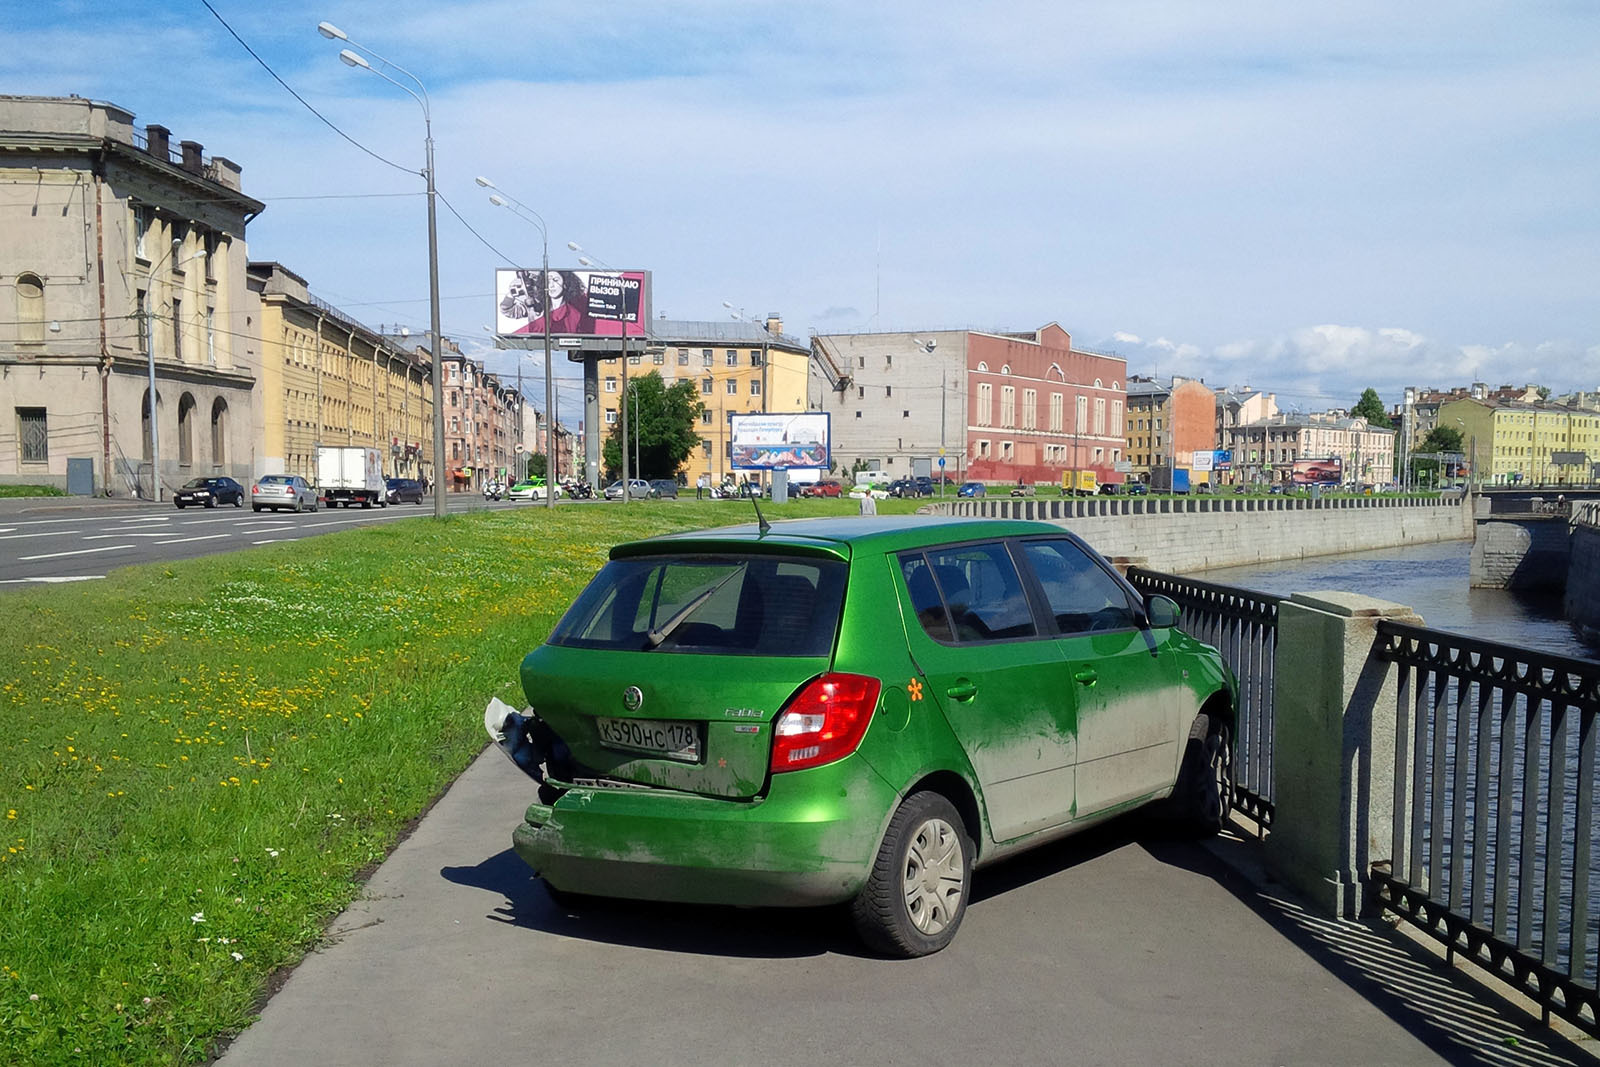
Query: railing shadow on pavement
<point x="1459" y="1016"/>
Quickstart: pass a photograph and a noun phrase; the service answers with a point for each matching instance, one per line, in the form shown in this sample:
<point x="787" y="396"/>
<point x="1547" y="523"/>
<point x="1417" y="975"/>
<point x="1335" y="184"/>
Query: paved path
<point x="1108" y="949"/>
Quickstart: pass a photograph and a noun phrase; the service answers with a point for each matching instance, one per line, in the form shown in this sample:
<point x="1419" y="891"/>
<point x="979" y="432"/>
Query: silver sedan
<point x="282" y="491"/>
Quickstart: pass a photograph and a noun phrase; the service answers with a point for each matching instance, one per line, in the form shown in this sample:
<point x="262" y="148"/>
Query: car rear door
<point x="998" y="679"/>
<point x="1126" y="700"/>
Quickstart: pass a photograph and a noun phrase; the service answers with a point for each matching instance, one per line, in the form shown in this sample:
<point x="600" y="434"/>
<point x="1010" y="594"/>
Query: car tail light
<point x="824" y="722"/>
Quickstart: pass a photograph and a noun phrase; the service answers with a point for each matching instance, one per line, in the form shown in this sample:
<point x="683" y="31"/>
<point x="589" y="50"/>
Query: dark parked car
<point x="1110" y="488"/>
<point x="857" y="712"/>
<point x="906" y="487"/>
<point x="209" y="492"/>
<point x="663" y="488"/>
<point x="400" y="490"/>
<point x="1138" y="489"/>
<point x="972" y="489"/>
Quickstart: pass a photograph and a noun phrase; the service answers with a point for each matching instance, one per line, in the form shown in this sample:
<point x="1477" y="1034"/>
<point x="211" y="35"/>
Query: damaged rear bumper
<point x="811" y="840"/>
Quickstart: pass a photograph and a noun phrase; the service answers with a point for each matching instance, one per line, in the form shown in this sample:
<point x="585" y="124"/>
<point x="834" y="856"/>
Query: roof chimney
<point x="192" y="157"/>
<point x="774" y="323"/>
<point x="158" y="142"/>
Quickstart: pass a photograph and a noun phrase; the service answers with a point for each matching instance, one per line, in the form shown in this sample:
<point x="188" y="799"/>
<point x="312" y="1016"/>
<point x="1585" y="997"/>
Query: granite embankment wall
<point x="1183" y="536"/>
<point x="1582" y="597"/>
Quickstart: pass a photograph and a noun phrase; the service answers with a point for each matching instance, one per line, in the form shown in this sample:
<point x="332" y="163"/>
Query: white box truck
<point x="350" y="474"/>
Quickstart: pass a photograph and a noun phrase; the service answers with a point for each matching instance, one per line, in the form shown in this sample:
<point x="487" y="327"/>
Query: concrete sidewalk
<point x="1111" y="948"/>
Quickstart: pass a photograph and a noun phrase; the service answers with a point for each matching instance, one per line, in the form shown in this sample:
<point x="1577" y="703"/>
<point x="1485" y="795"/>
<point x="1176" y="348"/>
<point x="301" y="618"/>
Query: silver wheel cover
<point x="934" y="878"/>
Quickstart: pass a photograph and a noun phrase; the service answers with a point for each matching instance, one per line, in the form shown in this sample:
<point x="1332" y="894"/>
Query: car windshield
<point x="275" y="479"/>
<point x="196" y="483"/>
<point x="751" y="606"/>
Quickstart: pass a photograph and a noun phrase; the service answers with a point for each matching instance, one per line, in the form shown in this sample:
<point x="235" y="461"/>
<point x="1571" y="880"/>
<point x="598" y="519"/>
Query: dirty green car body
<point x="1007" y="730"/>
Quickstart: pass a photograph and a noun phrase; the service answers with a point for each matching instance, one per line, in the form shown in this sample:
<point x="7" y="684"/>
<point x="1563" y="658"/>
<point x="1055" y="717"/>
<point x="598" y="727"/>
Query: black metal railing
<point x="1243" y="625"/>
<point x="1493" y="816"/>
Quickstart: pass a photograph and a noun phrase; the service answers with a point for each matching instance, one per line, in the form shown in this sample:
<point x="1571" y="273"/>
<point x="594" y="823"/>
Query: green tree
<point x="534" y="464"/>
<point x="1441" y="439"/>
<point x="665" y="420"/>
<point x="1370" y="408"/>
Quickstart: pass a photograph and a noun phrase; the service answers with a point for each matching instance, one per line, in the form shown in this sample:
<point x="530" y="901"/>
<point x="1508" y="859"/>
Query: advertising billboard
<point x="582" y="303"/>
<point x="1328" y="471"/>
<point x="1201" y="460"/>
<point x="1214" y="459"/>
<point x="767" y="442"/>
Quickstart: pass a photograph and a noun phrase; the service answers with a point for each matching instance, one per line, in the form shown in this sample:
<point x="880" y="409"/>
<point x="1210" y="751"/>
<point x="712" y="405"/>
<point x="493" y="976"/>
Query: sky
<point x="1305" y="199"/>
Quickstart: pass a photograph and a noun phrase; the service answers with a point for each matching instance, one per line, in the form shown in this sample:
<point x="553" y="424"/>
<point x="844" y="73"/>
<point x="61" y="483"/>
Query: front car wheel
<point x="917" y="892"/>
<point x="1204" y="793"/>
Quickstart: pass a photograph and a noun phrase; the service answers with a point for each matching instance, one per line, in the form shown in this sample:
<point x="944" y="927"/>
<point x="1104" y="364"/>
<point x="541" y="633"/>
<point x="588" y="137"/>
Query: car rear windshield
<point x="732" y="605"/>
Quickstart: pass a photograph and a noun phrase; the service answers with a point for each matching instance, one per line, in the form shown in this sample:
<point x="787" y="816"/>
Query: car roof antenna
<point x="763" y="527"/>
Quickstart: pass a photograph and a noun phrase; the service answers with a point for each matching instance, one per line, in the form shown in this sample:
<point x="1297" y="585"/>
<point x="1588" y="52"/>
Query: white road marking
<point x="126" y="533"/>
<point x="39" y="533"/>
<point x="275" y="541"/>
<point x="52" y="580"/>
<point x="184" y="540"/>
<point x="79" y="552"/>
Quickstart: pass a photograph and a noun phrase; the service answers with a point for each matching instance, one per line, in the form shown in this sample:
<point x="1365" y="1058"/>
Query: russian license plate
<point x="670" y="740"/>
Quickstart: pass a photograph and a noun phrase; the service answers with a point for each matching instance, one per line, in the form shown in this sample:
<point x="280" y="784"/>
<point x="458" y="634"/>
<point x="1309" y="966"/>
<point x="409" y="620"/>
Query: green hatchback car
<point x="855" y="710"/>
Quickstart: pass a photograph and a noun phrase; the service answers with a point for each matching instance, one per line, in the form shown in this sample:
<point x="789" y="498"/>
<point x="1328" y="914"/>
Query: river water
<point x="1430" y="579"/>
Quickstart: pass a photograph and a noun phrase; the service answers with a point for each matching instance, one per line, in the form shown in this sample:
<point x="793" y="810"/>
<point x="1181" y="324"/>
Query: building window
<point x="219" y="433"/>
<point x="705" y="447"/>
<point x="30" y="308"/>
<point x="755" y="387"/>
<point x="211" y="245"/>
<point x="733" y="387"/>
<point x="141" y="304"/>
<point x="186" y="430"/>
<point x="705" y="418"/>
<point x="888" y="390"/>
<point x="633" y="361"/>
<point x="905" y="414"/>
<point x="177" y="329"/>
<point x="705" y="386"/>
<point x="858" y="414"/>
<point x="1055" y="412"/>
<point x="1030" y="409"/>
<point x="861" y="392"/>
<point x="755" y="359"/>
<point x="33" y="433"/>
<point x="1080" y="416"/>
<point x="1099" y="416"/>
<point x="658" y="358"/>
<point x="211" y="336"/>
<point x="144" y="222"/>
<point x="731" y="358"/>
<point x="611" y="417"/>
<point x="705" y="357"/>
<point x="683" y="357"/>
<point x="611" y="385"/>
<point x="985" y="412"/>
<point x="1008" y="405"/>
<point x="1116" y="411"/>
<point x="888" y="361"/>
<point x="983" y="449"/>
<point x="1005" y="451"/>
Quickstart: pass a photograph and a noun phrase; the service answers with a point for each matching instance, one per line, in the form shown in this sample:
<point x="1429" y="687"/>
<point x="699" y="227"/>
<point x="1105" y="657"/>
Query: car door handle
<point x="962" y="691"/>
<point x="1086" y="675"/>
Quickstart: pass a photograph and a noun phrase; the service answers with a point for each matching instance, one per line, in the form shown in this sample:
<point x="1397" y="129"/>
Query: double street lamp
<point x="353" y="59"/>
<point x="501" y="198"/>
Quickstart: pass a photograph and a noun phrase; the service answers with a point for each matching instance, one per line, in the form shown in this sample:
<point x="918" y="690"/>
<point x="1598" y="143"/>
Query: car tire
<point x="179" y="503"/>
<point x="298" y="507"/>
<point x="1204" y="793"/>
<point x="256" y="508"/>
<point x="212" y="502"/>
<point x="238" y="501"/>
<point x="920" y="883"/>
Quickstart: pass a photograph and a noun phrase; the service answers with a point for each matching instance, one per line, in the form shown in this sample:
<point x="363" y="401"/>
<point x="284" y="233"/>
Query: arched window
<point x="983" y="366"/>
<point x="219" y="433"/>
<point x="1097" y="383"/>
<point x="1006" y="369"/>
<point x="186" y="429"/>
<point x="30" y="308"/>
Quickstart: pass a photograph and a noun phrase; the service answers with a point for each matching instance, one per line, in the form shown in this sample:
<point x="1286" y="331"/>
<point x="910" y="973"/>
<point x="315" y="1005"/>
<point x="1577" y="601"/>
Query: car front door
<point x="1127" y="705"/>
<point x="998" y="679"/>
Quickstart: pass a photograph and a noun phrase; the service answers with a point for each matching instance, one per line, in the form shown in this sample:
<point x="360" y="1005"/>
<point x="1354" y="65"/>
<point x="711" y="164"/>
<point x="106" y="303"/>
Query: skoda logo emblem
<point x="632" y="698"/>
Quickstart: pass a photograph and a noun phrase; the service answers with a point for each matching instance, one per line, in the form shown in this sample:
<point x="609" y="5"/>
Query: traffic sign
<point x="941" y="462"/>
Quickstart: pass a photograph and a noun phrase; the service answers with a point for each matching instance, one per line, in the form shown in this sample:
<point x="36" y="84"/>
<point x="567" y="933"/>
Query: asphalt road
<point x="45" y="539"/>
<point x="1115" y="947"/>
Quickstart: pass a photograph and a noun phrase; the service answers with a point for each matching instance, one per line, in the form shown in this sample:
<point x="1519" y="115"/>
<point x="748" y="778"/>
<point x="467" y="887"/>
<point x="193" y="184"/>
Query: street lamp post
<point x="150" y="358"/>
<point x="353" y="59"/>
<point x="500" y="198"/>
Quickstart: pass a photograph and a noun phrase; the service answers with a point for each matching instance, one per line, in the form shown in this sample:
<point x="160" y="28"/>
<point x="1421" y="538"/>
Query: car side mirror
<point x="1161" y="611"/>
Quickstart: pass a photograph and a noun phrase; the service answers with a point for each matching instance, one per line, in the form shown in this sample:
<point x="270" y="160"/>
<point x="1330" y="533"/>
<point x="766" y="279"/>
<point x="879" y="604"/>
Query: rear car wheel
<point x="1204" y="793"/>
<point x="238" y="501"/>
<point x="921" y="880"/>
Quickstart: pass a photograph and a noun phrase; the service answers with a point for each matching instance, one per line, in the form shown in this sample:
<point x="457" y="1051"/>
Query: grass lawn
<point x="29" y="490"/>
<point x="198" y="760"/>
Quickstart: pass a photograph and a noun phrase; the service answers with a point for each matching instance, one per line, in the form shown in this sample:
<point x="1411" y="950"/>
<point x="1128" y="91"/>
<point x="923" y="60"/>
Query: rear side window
<point x="968" y="593"/>
<point x="729" y="605"/>
<point x="1081" y="595"/>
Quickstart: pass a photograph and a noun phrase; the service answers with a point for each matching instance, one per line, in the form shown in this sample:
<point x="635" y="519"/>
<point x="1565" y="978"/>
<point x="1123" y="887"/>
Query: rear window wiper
<point x="654" y="638"/>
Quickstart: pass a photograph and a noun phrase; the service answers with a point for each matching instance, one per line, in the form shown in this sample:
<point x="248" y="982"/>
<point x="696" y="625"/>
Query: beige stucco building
<point x="325" y="379"/>
<point x="121" y="254"/>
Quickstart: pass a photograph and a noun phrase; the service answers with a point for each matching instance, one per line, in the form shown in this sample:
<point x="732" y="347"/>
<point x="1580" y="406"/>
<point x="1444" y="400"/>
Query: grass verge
<point x="198" y="759"/>
<point x="29" y="490"/>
